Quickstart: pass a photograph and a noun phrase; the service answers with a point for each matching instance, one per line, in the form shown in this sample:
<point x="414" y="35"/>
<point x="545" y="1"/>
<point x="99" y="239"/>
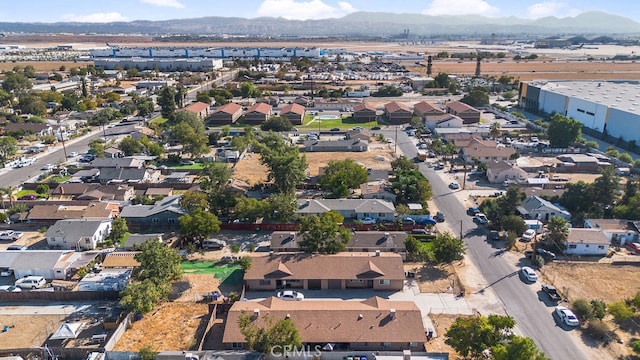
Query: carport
<point x="314" y="284"/>
<point x="335" y="284"/>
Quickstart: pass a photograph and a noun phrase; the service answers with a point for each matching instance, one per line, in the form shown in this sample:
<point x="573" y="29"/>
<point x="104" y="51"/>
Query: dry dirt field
<point x="249" y="171"/>
<point x="28" y="331"/>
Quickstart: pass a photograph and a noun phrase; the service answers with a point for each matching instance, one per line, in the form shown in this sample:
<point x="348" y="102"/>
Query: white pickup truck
<point x="10" y="235"/>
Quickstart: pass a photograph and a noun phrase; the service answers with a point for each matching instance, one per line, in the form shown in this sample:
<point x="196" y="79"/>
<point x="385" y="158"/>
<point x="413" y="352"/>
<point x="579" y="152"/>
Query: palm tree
<point x="558" y="230"/>
<point x="494" y="131"/>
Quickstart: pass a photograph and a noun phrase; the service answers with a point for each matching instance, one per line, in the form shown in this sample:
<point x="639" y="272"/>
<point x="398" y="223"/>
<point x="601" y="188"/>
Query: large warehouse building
<point x="611" y="106"/>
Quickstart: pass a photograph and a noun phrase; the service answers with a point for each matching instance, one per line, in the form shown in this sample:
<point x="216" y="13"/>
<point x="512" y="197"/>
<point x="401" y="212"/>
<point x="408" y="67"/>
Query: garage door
<point x="315" y="284"/>
<point x="335" y="284"/>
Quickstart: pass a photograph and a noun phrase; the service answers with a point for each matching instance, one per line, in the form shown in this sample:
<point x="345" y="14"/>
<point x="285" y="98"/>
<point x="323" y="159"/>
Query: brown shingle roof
<point x="425" y="107"/>
<point x="230" y="108"/>
<point x="365" y="106"/>
<point x="393" y="107"/>
<point x="261" y="108"/>
<point x="459" y="107"/>
<point x="338" y="266"/>
<point x="120" y="259"/>
<point x="293" y="108"/>
<point x="335" y="321"/>
<point x="197" y="107"/>
<point x="587" y="236"/>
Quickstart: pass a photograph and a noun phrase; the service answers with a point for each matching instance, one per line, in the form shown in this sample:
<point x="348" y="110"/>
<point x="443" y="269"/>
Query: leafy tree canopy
<point x="324" y="234"/>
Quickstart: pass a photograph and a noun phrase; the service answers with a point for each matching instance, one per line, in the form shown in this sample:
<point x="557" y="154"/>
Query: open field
<point x="28" y="330"/>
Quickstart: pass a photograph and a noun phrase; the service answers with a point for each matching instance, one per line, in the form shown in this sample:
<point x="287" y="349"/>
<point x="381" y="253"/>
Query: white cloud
<point x="460" y="7"/>
<point x="303" y="10"/>
<point x="550" y="8"/>
<point x="96" y="17"/>
<point x="165" y="3"/>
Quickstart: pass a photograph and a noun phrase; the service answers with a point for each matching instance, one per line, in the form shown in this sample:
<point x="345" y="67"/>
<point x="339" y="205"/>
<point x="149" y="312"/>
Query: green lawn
<point x="58" y="179"/>
<point x="159" y="120"/>
<point x="227" y="273"/>
<point x="196" y="166"/>
<point x="345" y="123"/>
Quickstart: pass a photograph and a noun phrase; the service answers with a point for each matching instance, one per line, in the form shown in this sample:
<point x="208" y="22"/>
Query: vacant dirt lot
<point x="171" y="326"/>
<point x="28" y="330"/>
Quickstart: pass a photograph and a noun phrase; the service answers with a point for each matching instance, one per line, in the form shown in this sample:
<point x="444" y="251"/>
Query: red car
<point x="27" y="197"/>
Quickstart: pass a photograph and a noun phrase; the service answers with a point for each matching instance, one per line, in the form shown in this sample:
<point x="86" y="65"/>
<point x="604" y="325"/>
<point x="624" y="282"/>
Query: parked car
<point x="375" y="128"/>
<point x="419" y="231"/>
<point x="439" y="217"/>
<point x="48" y="167"/>
<point x="454" y="186"/>
<point x="408" y="221"/>
<point x="551" y="292"/>
<point x="18" y="247"/>
<point x="494" y="235"/>
<point x="31" y="282"/>
<point x="290" y="295"/>
<point x="10" y="288"/>
<point x="528" y="235"/>
<point x="528" y="274"/>
<point x="481" y="219"/>
<point x="6" y="272"/>
<point x="368" y="221"/>
<point x="566" y="316"/>
<point x="72" y="154"/>
<point x="27" y="197"/>
<point x="546" y="253"/>
<point x="10" y="235"/>
<point x="335" y="129"/>
<point x="472" y="211"/>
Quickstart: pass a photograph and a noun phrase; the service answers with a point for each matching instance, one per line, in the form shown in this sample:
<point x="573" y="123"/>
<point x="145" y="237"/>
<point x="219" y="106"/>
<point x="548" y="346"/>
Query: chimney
<point x="360" y="317"/>
<point x="288" y="316"/>
<point x="377" y="252"/>
<point x="392" y="313"/>
<point x="256" y="312"/>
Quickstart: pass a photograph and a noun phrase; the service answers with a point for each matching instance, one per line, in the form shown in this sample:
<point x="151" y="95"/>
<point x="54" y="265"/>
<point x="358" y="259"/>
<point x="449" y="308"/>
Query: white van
<point x="31" y="282"/>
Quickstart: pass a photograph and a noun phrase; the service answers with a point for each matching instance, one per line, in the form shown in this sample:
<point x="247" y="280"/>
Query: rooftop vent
<point x="256" y="312"/>
<point x="392" y="313"/>
<point x="360" y="317"/>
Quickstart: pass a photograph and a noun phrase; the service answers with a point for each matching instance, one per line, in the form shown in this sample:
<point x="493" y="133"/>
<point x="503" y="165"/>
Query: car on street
<point x="419" y="231"/>
<point x="472" y="211"/>
<point x="528" y="235"/>
<point x="389" y="140"/>
<point x="48" y="167"/>
<point x="368" y="221"/>
<point x="10" y="235"/>
<point x="10" y="288"/>
<point x="551" y="292"/>
<point x="72" y="154"/>
<point x="31" y="282"/>
<point x="335" y="129"/>
<point x="454" y="186"/>
<point x="545" y="253"/>
<point x="18" y="247"/>
<point x="528" y="274"/>
<point x="566" y="316"/>
<point x="27" y="197"/>
<point x="375" y="128"/>
<point x="290" y="295"/>
<point x="494" y="235"/>
<point x="439" y="217"/>
<point x="481" y="219"/>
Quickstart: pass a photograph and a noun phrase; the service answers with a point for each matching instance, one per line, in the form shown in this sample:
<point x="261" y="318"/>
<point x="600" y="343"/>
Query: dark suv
<point x="494" y="235"/>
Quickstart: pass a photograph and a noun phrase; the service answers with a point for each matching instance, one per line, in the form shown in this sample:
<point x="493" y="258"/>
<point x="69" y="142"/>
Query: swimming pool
<point x="328" y="117"/>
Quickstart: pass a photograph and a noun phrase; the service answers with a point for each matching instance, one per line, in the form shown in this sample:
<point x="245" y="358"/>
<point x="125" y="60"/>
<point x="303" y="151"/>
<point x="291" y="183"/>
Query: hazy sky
<point x="127" y="10"/>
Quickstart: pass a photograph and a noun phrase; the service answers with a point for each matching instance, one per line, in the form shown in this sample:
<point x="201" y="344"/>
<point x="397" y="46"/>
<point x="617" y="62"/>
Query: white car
<point x="11" y="235"/>
<point x="480" y="218"/>
<point x="31" y="282"/>
<point x="290" y="295"/>
<point x="528" y="274"/>
<point x="48" y="167"/>
<point x="368" y="221"/>
<point x="566" y="316"/>
<point x="10" y="288"/>
<point x="72" y="154"/>
<point x="454" y="186"/>
<point x="528" y="235"/>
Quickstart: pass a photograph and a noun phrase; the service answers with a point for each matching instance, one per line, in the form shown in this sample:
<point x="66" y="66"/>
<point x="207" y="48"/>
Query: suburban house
<point x="78" y="234"/>
<point x="85" y="175"/>
<point x="467" y="113"/>
<point x="199" y="108"/>
<point x="164" y="213"/>
<point x="128" y="175"/>
<point x="361" y="241"/>
<point x="380" y="189"/>
<point x="424" y="109"/>
<point x="135" y="240"/>
<point x="474" y="149"/>
<point x="364" y="113"/>
<point x="128" y="162"/>
<point x="115" y="192"/>
<point x="226" y="114"/>
<point x="304" y="101"/>
<point x="49" y="214"/>
<point x="69" y="191"/>
<point x="397" y="113"/>
<point x="378" y="271"/>
<point x="499" y="171"/>
<point x="258" y="113"/>
<point x="175" y="177"/>
<point x="105" y="280"/>
<point x="580" y="163"/>
<point x="294" y="113"/>
<point x="618" y="231"/>
<point x="113" y="152"/>
<point x="364" y="325"/>
<point x="380" y="210"/>
<point x="27" y="128"/>
<point x="162" y="192"/>
<point x="121" y="260"/>
<point x="587" y="242"/>
<point x="357" y="133"/>
<point x="537" y="208"/>
<point x="433" y="122"/>
<point x="355" y="145"/>
<point x="50" y="264"/>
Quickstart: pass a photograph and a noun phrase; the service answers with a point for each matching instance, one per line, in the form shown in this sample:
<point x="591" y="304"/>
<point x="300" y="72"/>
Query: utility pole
<point x="461" y="237"/>
<point x="395" y="149"/>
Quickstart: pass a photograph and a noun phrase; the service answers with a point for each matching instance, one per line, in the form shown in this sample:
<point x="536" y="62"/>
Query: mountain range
<point x="358" y="23"/>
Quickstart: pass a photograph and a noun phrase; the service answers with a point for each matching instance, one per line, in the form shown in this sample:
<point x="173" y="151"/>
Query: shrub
<point x="635" y="345"/>
<point x="583" y="309"/>
<point x="42" y="189"/>
<point x="620" y="311"/>
<point x="598" y="329"/>
<point x="599" y="309"/>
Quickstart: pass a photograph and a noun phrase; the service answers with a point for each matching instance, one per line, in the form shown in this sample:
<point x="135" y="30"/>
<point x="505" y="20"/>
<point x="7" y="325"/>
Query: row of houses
<point x="256" y="114"/>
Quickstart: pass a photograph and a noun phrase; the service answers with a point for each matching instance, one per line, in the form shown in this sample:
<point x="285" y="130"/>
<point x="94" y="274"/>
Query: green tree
<point x="605" y="188"/>
<point x="199" y="224"/>
<point x="167" y="102"/>
<point x="250" y="209"/>
<point x="403" y="164"/>
<point x="341" y="175"/>
<point x="271" y="335"/>
<point x="245" y="263"/>
<point x="563" y="131"/>
<point x="513" y="223"/>
<point x="118" y="229"/>
<point x="282" y="207"/>
<point x="203" y="97"/>
<point x="583" y="309"/>
<point x="142" y="296"/>
<point x="15" y="83"/>
<point x="447" y="248"/>
<point x="558" y="230"/>
<point x="43" y="189"/>
<point x="194" y="200"/>
<point x="147" y="352"/>
<point x="470" y="336"/>
<point x="620" y="311"/>
<point x="193" y="143"/>
<point x="248" y="90"/>
<point x="476" y="97"/>
<point x="287" y="168"/>
<point x="411" y="186"/>
<point x="599" y="309"/>
<point x="324" y="234"/>
<point x="494" y="131"/>
<point x="635" y="345"/>
<point x="8" y="148"/>
<point x="442" y="80"/>
<point x="158" y="263"/>
<point x="130" y="146"/>
<point x="277" y="124"/>
<point x="32" y="104"/>
<point x="96" y="147"/>
<point x="520" y="348"/>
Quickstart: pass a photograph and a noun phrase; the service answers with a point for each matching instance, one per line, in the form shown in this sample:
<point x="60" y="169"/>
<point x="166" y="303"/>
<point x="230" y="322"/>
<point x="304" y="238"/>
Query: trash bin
<point x="215" y="296"/>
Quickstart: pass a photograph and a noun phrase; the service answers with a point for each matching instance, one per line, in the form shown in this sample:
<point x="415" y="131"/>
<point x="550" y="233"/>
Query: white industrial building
<point x="613" y="106"/>
<point x="162" y="64"/>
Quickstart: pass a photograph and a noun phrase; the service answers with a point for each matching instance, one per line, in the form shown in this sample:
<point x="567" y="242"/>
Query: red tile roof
<point x="361" y="107"/>
<point x="197" y="107"/>
<point x="230" y="108"/>
<point x="425" y="107"/>
<point x="393" y="107"/>
<point x="293" y="108"/>
<point x="459" y="107"/>
<point x="262" y="108"/>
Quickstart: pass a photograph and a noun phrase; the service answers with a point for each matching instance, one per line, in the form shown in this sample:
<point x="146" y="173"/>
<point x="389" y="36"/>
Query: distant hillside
<point x="359" y="23"/>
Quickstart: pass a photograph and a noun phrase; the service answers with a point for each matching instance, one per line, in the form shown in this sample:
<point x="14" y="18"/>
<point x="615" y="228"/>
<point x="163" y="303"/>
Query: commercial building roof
<point x="621" y="95"/>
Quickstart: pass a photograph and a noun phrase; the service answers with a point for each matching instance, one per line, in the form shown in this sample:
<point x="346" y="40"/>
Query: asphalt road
<point x="525" y="303"/>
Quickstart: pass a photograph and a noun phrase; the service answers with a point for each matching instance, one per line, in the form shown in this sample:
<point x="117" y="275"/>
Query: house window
<point x="600" y="247"/>
<point x="413" y="344"/>
<point x="355" y="280"/>
<point x="386" y="345"/>
<point x="171" y="220"/>
<point x="155" y="220"/>
<point x="380" y="215"/>
<point x="236" y="345"/>
<point x="385" y="282"/>
<point x="265" y="282"/>
<point x="572" y="246"/>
